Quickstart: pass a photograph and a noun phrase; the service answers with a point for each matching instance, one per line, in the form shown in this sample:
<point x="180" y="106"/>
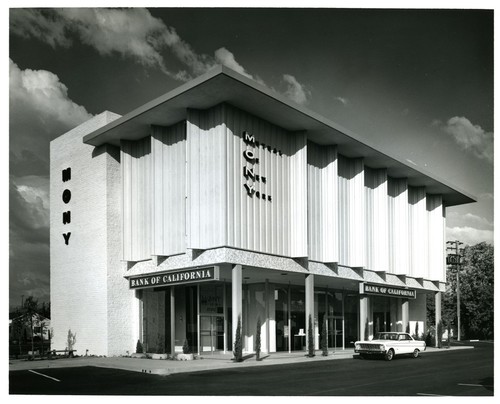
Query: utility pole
<point x="455" y="260"/>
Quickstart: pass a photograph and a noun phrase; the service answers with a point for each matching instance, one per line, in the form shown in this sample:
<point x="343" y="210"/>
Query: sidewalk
<point x="204" y="362"/>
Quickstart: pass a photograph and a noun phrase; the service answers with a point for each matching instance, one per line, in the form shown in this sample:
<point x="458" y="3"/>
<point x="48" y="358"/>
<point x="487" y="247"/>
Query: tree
<point x="25" y="318"/>
<point x="310" y="338"/>
<point x="186" y="348"/>
<point x="71" y="341"/>
<point x="238" y="345"/>
<point x="439" y="334"/>
<point x="476" y="293"/>
<point x="30" y="309"/>
<point x="257" y="340"/>
<point x="324" y="342"/>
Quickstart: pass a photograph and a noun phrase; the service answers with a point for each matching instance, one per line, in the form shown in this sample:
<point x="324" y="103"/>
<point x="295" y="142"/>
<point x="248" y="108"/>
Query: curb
<point x="205" y="364"/>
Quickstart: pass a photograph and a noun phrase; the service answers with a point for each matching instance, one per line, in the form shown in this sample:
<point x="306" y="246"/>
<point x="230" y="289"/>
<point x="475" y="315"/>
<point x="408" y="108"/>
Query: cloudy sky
<point x="421" y="78"/>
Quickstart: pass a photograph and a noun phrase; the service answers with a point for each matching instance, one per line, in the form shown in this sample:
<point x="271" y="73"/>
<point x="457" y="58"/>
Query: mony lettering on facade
<point x="255" y="182"/>
<point x="66" y="197"/>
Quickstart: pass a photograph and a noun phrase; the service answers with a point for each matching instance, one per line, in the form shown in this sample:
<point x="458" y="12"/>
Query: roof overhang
<point x="224" y="85"/>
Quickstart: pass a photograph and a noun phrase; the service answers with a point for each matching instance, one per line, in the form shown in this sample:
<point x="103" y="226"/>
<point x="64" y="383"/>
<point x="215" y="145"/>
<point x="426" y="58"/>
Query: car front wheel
<point x="415" y="353"/>
<point x="389" y="355"/>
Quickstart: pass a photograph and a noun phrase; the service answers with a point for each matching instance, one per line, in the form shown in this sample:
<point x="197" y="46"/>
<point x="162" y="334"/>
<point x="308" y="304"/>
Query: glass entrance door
<point x="211" y="333"/>
<point x="335" y="332"/>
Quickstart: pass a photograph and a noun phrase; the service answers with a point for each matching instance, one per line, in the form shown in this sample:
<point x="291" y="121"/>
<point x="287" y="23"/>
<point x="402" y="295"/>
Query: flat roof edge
<point x="455" y="196"/>
<point x="91" y="138"/>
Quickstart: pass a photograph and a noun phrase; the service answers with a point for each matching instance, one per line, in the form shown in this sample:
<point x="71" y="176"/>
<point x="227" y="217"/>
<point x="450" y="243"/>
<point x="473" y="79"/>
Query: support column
<point x="237" y="299"/>
<point x="394" y="314"/>
<point x="364" y="325"/>
<point x="268" y="319"/>
<point x="224" y="305"/>
<point x="309" y="286"/>
<point x="405" y="314"/>
<point x="437" y="301"/>
<point x="172" y="320"/>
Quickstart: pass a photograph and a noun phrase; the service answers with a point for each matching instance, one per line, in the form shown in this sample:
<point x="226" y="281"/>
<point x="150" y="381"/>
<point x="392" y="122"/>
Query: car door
<point x="408" y="344"/>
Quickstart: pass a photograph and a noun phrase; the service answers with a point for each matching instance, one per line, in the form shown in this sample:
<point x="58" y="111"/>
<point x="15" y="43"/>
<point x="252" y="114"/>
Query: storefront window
<point x="212" y="299"/>
<point x="212" y="317"/>
<point x="297" y="318"/>
<point x="351" y="315"/>
<point x="381" y="314"/>
<point x="191" y="317"/>
<point x="282" y="310"/>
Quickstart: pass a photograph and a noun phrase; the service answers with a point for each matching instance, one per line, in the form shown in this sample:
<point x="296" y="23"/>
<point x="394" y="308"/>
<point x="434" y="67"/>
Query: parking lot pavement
<point x="204" y="362"/>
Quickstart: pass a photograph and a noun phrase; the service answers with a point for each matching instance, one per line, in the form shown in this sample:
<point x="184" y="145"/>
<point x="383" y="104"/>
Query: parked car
<point x="388" y="344"/>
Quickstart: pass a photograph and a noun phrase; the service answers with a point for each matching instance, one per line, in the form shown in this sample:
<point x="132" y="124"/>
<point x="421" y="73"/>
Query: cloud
<point x="29" y="211"/>
<point x="470" y="220"/>
<point x="131" y="33"/>
<point x="469" y="235"/>
<point x="295" y="91"/>
<point x="29" y="239"/>
<point x="486" y="196"/>
<point x="41" y="91"/>
<point x="39" y="110"/>
<point x="29" y="272"/>
<point x="135" y="34"/>
<point x="342" y="100"/>
<point x="43" y="24"/>
<point x="223" y="56"/>
<point x="471" y="138"/>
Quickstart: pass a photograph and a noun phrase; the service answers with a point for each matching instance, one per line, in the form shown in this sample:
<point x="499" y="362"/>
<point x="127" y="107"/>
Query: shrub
<point x="186" y="349"/>
<point x="448" y="327"/>
<point x="71" y="340"/>
<point x="257" y="340"/>
<point x="138" y="347"/>
<point x="439" y="333"/>
<point x="324" y="344"/>
<point x="428" y="339"/>
<point x="160" y="344"/>
<point x="310" y="338"/>
<point x="238" y="347"/>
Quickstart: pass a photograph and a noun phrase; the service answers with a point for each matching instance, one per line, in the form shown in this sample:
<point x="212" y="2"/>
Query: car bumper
<point x="370" y="351"/>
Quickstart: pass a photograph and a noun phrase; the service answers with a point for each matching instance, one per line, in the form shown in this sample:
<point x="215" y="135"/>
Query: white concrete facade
<point x="292" y="225"/>
<point x="89" y="295"/>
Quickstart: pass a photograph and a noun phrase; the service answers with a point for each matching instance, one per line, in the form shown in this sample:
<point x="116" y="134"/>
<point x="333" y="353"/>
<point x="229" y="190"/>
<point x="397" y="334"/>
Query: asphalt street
<point x="448" y="373"/>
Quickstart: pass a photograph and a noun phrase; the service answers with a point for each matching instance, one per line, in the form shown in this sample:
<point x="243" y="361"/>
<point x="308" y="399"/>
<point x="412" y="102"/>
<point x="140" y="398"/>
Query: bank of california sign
<point x="389" y="291"/>
<point x="174" y="278"/>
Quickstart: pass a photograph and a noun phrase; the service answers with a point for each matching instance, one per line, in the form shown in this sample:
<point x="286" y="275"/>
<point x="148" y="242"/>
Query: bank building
<point x="222" y="200"/>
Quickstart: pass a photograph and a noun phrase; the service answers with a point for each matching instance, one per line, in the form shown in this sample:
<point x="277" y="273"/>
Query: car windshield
<point x="387" y="335"/>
